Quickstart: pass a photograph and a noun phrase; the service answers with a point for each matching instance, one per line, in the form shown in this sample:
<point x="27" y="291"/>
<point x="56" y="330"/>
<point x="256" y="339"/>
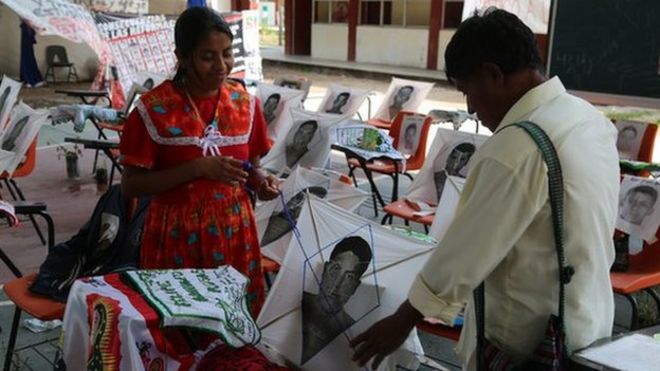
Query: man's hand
<point x="385" y="336"/>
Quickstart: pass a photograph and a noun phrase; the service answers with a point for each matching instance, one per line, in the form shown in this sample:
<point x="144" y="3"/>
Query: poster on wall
<point x="534" y="13"/>
<point x="140" y="45"/>
<point x="245" y="27"/>
<point x="339" y="277"/>
<point x="116" y="6"/>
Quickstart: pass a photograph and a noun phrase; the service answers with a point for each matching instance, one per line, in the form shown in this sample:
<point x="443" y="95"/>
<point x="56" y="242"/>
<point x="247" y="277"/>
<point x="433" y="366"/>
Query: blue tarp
<point x="193" y="3"/>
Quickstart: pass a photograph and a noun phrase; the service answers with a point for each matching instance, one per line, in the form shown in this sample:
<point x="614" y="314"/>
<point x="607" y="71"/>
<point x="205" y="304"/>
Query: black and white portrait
<point x="639" y="213"/>
<point x="4" y="97"/>
<point x="402" y="94"/>
<point x="300" y="143"/>
<point x="270" y="107"/>
<point x="12" y="134"/>
<point x="400" y="98"/>
<point x="629" y="139"/>
<point x="338" y="103"/>
<point x="456" y="161"/>
<point x="9" y="90"/>
<point x="323" y="314"/>
<point x="279" y="223"/>
<point x="276" y="104"/>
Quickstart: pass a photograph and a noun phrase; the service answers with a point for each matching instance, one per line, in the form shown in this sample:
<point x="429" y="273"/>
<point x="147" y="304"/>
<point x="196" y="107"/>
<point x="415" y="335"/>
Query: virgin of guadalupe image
<point x="323" y="314"/>
<point x="456" y="161"/>
<point x="298" y="147"/>
<point x="279" y="224"/>
<point x="401" y="97"/>
<point x="9" y="140"/>
<point x="338" y="103"/>
<point x="97" y="333"/>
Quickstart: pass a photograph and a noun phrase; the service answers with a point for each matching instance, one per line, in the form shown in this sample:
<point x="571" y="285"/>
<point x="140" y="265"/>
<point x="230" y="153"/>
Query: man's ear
<point x="493" y="73"/>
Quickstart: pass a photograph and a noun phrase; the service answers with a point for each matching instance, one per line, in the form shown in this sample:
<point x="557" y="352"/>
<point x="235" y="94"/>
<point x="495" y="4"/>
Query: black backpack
<point x="108" y="242"/>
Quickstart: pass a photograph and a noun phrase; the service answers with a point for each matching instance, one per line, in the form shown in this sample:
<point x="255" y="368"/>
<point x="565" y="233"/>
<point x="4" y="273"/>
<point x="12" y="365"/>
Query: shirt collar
<point x="533" y="99"/>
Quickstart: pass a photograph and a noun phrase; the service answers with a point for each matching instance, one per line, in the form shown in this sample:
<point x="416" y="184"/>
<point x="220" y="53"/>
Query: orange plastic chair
<point x="269" y="267"/>
<point x="403" y="210"/>
<point x="452" y="333"/>
<point x="381" y="124"/>
<point x="38" y="306"/>
<point x="392" y="167"/>
<point x="23" y="170"/>
<point x="642" y="274"/>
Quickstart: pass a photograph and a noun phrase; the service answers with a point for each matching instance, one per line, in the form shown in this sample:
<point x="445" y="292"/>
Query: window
<point x="404" y="13"/>
<point x="330" y="11"/>
<point x="452" y="13"/>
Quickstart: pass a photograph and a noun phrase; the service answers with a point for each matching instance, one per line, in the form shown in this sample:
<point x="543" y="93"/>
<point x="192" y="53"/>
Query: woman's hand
<point x="222" y="168"/>
<point x="269" y="188"/>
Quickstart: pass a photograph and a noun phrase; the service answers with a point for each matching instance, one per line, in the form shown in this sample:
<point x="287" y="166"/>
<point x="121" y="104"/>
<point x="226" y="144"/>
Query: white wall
<point x="221" y="6"/>
<point x="330" y="41"/>
<point x="392" y="45"/>
<point x="443" y="40"/>
<point x="10" y="50"/>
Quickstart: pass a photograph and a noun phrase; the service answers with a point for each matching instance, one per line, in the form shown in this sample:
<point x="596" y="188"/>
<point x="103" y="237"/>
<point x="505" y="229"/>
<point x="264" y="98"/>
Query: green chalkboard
<point x="607" y="46"/>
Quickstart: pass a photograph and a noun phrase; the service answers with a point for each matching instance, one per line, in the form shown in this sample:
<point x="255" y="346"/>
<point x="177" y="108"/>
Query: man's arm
<point x="495" y="209"/>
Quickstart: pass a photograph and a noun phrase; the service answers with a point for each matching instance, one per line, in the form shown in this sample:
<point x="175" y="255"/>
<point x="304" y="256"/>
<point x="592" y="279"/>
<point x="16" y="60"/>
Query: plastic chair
<point x="391" y="167"/>
<point x="40" y="307"/>
<point x="642" y="274"/>
<point x="56" y="57"/>
<point x="23" y="170"/>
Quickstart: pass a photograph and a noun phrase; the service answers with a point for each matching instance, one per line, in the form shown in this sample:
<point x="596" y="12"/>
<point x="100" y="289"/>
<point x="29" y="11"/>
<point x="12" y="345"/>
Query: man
<point x="638" y="203"/>
<point x="409" y="136"/>
<point x="279" y="224"/>
<point x="502" y="230"/>
<point x="295" y="150"/>
<point x="627" y="142"/>
<point x="338" y="103"/>
<point x="456" y="161"/>
<point x="401" y="97"/>
<point x="270" y="106"/>
<point x="323" y="314"/>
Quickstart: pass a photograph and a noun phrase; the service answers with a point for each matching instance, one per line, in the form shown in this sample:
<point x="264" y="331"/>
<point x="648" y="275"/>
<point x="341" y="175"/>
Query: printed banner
<point x="534" y="13"/>
<point x="140" y="44"/>
<point x="62" y="18"/>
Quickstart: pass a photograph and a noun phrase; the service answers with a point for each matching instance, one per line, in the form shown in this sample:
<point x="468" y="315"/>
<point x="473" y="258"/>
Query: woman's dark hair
<point x="193" y="25"/>
<point x="497" y="37"/>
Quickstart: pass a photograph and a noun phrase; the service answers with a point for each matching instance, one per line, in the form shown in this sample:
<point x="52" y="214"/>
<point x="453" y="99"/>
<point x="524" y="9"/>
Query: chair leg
<point x="12" y="183"/>
<point x="10" y="264"/>
<point x="386" y="218"/>
<point x="12" y="340"/>
<point x="426" y="229"/>
<point x="408" y="175"/>
<point x="374" y="192"/>
<point x="351" y="174"/>
<point x="634" y="320"/>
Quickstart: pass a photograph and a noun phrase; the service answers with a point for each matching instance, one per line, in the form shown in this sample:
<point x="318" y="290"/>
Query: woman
<point x="187" y="143"/>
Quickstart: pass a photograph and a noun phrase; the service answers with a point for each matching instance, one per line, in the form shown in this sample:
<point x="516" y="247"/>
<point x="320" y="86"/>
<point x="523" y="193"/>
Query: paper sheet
<point x="631" y="353"/>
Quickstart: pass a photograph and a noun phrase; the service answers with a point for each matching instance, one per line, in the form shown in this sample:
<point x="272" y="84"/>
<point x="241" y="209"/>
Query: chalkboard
<point x="607" y="46"/>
